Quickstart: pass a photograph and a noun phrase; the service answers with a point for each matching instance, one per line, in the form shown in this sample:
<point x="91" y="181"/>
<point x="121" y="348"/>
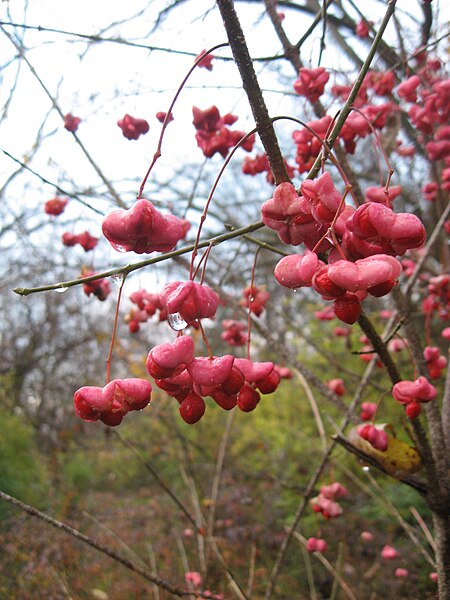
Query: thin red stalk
<point x="325" y="153"/>
<point x="113" y="336"/>
<point x="169" y="112"/>
<point x="205" y="339"/>
<point x="204" y="260"/>
<point x="250" y="302"/>
<point x="380" y="146"/>
<point x="210" y="196"/>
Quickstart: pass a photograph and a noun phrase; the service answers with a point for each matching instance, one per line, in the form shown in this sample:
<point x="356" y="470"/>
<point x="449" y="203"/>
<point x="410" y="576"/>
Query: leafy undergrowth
<point x="99" y="485"/>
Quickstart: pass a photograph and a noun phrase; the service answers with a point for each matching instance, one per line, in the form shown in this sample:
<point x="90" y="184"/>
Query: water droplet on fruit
<point x="61" y="289"/>
<point x="119" y="248"/>
<point x="176" y="321"/>
<point x="117" y="279"/>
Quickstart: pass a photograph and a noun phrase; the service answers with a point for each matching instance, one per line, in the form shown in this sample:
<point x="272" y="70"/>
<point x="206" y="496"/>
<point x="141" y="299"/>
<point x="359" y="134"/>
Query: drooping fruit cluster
<point x="111" y="403"/>
<point x="314" y="544"/>
<point x="71" y="122"/>
<point x="132" y="128"/>
<point x="413" y="393"/>
<point x="361" y="244"/>
<point x="229" y="381"/>
<point x="142" y="229"/>
<point x="55" y="206"/>
<point x="376" y="436"/>
<point x="325" y="503"/>
<point x="85" y="240"/>
<point x="255" y="299"/>
<point x="213" y="133"/>
<point x="147" y="305"/>
<point x="99" y="288"/>
<point x="234" y="332"/>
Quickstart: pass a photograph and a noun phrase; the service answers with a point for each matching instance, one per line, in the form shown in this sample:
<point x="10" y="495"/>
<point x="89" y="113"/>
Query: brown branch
<point x="251" y="86"/>
<point x="435" y="457"/>
<point x="379" y="347"/>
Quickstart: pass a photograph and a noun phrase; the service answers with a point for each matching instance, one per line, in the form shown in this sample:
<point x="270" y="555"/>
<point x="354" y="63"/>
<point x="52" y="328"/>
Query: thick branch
<point x="251" y="86"/>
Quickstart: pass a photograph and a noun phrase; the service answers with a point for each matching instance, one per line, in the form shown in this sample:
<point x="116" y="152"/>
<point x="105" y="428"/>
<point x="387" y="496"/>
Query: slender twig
<point x="314" y="408"/>
<point x="95" y="544"/>
<point x="127" y="269"/>
<point x="326" y="563"/>
<point x="152" y="556"/>
<point x="51" y="183"/>
<point x="251" y="570"/>
<point x="55" y="105"/>
<point x="123" y="42"/>
<point x="214" y="495"/>
<point x="160" y="482"/>
<point x="309" y="572"/>
<point x="113" y="335"/>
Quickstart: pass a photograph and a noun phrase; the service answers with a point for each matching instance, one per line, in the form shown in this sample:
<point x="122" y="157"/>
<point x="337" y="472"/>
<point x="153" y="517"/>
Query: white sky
<point x="101" y="82"/>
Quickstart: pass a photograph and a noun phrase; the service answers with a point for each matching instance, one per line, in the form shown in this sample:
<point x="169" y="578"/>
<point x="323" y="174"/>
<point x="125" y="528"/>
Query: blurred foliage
<point x="23" y="471"/>
<point x="101" y="480"/>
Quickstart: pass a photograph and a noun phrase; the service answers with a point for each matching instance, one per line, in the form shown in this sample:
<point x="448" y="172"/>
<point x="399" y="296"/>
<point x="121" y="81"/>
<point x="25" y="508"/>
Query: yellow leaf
<point x="398" y="459"/>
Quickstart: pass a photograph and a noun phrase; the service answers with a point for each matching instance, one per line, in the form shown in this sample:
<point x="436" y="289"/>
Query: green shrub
<point x="23" y="471"/>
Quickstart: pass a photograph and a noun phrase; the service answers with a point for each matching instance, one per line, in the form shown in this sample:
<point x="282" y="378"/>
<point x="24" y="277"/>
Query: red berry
<point x="412" y="410"/>
<point x="269" y="384"/>
<point x="111" y="418"/>
<point x="347" y="309"/>
<point x="192" y="408"/>
<point x="323" y="284"/>
<point x="382" y="288"/>
<point x="248" y="399"/>
<point x="224" y="400"/>
<point x="234" y="382"/>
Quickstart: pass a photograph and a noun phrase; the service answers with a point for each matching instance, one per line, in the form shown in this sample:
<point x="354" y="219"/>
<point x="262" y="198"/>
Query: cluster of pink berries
<point x="55" y="206"/>
<point x="260" y="164"/>
<point x="437" y="301"/>
<point x="143" y="229"/>
<point x="229" y="381"/>
<point x="147" y="305"/>
<point x="376" y="436"/>
<point x="99" y="288"/>
<point x="213" y="133"/>
<point x="361" y="255"/>
<point x="414" y="393"/>
<point x="85" y="240"/>
<point x="325" y="503"/>
<point x="112" y="402"/>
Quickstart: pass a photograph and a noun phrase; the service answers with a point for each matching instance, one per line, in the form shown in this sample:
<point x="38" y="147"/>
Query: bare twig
<point x="97" y="545"/>
<point x="326" y="563"/>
